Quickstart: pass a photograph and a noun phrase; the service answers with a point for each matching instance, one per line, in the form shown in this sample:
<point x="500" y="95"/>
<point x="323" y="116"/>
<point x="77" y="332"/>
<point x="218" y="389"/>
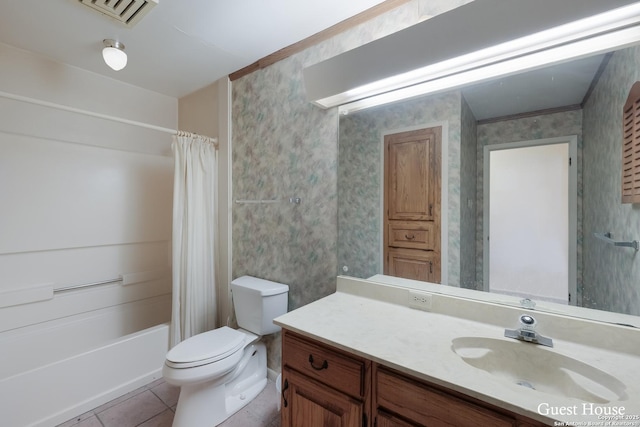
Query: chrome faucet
<point x="527" y="332"/>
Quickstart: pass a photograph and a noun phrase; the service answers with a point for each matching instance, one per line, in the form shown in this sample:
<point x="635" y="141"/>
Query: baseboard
<point x="272" y="375"/>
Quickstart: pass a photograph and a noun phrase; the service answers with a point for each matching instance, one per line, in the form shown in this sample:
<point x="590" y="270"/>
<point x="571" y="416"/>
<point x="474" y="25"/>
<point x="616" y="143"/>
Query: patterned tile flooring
<point x="154" y="404"/>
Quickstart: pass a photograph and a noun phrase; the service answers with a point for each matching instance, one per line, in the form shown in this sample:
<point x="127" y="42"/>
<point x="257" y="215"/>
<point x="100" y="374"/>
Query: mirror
<point x="582" y="98"/>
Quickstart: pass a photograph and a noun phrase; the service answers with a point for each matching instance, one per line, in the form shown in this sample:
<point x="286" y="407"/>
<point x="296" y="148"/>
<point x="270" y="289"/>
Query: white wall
<point x="81" y="200"/>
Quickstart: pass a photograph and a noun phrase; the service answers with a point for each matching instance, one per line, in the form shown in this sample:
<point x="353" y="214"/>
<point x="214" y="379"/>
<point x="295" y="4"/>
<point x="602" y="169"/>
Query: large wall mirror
<point x="579" y="103"/>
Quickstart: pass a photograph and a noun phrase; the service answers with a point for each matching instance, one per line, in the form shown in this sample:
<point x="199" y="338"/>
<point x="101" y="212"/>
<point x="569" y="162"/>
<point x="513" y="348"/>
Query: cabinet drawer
<point x="330" y="367"/>
<point x="427" y="406"/>
<point x="413" y="264"/>
<point x="411" y="234"/>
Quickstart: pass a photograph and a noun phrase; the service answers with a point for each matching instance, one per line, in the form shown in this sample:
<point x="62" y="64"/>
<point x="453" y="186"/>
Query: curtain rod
<point x="102" y="116"/>
<point x="213" y="141"/>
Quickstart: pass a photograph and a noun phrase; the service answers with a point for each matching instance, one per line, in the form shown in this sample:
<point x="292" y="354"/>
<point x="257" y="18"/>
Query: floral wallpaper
<point x="282" y="152"/>
<point x="468" y="201"/>
<point x="283" y="146"/>
<point x="360" y="177"/>
<point x="611" y="274"/>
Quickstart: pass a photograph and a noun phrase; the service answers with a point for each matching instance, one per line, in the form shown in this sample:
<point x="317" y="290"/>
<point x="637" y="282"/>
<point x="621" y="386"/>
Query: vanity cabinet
<point x="324" y="386"/>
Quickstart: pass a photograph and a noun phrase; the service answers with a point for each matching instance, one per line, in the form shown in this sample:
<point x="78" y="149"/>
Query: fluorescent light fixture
<point x="564" y="53"/>
<point x="597" y="34"/>
<point x="114" y="55"/>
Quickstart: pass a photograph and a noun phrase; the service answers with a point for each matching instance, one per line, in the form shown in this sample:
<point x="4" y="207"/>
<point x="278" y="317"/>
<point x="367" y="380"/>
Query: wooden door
<point x="412" y="215"/>
<point x="308" y="403"/>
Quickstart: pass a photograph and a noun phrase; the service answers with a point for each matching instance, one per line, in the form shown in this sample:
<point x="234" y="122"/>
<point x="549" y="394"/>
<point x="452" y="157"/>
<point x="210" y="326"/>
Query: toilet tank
<point x="257" y="302"/>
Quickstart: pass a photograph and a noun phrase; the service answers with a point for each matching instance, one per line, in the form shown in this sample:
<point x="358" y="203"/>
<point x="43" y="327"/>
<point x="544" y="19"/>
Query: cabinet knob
<point x="406" y="236"/>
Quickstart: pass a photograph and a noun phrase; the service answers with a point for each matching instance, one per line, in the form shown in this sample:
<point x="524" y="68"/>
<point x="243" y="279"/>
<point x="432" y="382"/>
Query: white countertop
<point x="373" y="320"/>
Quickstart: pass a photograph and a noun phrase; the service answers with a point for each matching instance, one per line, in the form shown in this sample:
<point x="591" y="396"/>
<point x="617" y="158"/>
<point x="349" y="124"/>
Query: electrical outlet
<point x="420" y="300"/>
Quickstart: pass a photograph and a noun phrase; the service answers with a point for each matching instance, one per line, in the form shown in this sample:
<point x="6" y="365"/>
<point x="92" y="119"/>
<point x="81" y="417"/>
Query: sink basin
<point x="539" y="368"/>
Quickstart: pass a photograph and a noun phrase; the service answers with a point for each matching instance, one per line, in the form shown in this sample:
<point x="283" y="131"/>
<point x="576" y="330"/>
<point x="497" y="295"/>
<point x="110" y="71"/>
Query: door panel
<point x="409" y="186"/>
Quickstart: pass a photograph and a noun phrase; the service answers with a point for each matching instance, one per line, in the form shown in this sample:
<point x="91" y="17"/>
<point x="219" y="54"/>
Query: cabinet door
<point x="412" y="175"/>
<point x="414" y="264"/>
<point x="308" y="403"/>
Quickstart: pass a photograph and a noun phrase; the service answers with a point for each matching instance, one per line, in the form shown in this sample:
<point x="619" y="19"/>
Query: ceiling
<point x="551" y="87"/>
<point x="180" y="46"/>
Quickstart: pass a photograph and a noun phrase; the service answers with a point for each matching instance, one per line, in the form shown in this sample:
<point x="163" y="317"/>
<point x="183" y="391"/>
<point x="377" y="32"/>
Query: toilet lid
<point x="207" y="347"/>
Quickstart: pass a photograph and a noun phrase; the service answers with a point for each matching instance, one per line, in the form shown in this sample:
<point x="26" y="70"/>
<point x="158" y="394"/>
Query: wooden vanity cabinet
<point x="323" y="386"/>
<point x="327" y="387"/>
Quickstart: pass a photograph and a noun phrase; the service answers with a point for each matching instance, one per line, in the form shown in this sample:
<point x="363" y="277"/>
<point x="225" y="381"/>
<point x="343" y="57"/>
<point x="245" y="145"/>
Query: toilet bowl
<point x="222" y="370"/>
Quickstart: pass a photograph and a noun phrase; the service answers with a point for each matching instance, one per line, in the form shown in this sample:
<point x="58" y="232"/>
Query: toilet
<point x="222" y="370"/>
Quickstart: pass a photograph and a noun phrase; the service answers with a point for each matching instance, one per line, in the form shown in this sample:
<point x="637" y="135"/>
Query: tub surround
<point x="373" y="320"/>
<point x="84" y="200"/>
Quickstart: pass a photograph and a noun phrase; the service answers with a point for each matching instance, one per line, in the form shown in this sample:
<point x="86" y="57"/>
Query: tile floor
<point x="154" y="404"/>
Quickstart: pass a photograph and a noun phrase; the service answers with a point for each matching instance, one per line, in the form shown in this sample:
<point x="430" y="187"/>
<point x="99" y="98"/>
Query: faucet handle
<point x="527" y="322"/>
<point x="527" y="332"/>
<point x="527" y="303"/>
<point x="528" y="327"/>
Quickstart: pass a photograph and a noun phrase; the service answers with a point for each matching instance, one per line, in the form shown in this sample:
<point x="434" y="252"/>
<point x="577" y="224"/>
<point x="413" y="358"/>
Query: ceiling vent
<point x="128" y="12"/>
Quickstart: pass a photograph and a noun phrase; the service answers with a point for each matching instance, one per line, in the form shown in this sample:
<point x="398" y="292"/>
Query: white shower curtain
<point x="194" y="244"/>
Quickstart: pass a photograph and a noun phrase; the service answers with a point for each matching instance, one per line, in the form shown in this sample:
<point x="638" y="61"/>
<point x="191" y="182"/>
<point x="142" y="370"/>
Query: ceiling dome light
<point x="114" y="55"/>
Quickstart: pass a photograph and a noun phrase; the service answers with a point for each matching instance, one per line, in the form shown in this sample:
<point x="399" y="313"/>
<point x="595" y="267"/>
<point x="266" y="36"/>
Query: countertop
<point x="373" y="321"/>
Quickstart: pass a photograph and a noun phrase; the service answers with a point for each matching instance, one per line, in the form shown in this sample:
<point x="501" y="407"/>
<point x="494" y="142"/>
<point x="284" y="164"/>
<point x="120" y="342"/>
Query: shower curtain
<point x="194" y="244"/>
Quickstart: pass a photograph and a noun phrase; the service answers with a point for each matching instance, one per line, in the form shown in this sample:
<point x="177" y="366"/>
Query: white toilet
<point x="220" y="371"/>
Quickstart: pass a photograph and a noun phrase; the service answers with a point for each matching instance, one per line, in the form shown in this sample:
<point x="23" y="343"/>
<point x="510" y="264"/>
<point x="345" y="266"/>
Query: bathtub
<point x="94" y="360"/>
